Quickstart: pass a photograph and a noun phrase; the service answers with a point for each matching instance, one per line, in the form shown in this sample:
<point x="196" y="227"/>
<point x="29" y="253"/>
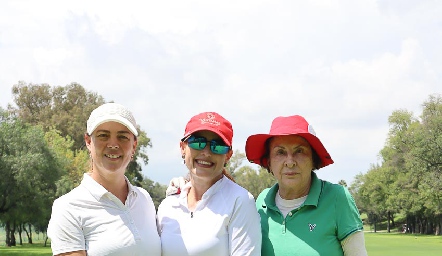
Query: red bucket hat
<point x="290" y="125"/>
<point x="210" y="121"/>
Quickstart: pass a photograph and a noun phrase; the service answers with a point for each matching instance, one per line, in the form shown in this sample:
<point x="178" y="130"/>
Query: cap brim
<point x="113" y="118"/>
<point x="208" y="129"/>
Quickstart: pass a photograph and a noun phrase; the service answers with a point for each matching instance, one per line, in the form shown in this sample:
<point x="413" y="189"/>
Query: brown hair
<point x="228" y="175"/>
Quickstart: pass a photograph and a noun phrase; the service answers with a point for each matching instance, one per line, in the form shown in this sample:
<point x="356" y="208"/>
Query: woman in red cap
<point x="212" y="215"/>
<point x="301" y="214"/>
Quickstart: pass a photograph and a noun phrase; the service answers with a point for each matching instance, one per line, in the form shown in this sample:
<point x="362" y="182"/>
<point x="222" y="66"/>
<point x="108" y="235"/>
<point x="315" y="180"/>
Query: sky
<point x="344" y="65"/>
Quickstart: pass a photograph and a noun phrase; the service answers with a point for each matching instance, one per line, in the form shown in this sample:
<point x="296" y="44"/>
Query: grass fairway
<point x="402" y="244"/>
<point x="36" y="249"/>
<point x="26" y="249"/>
<point x="377" y="244"/>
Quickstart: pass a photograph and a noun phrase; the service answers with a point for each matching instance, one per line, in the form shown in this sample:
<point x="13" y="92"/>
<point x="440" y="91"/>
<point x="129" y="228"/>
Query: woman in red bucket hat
<point x="212" y="215"/>
<point x="302" y="214"/>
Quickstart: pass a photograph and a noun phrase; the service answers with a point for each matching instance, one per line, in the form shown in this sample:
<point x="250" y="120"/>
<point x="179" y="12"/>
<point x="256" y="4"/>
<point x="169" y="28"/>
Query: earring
<point x="183" y="156"/>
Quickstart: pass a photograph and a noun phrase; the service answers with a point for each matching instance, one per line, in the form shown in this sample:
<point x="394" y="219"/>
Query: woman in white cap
<point x="212" y="215"/>
<point x="301" y="214"/>
<point x="105" y="214"/>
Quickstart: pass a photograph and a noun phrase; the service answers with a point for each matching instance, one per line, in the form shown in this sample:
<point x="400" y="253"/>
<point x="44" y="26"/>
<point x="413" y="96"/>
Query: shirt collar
<point x="312" y="197"/>
<point x="97" y="190"/>
<point x="211" y="191"/>
<point x="315" y="191"/>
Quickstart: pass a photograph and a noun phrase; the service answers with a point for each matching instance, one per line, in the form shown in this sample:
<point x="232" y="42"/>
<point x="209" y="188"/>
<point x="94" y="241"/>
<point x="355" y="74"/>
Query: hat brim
<point x="255" y="148"/>
<point x="113" y="118"/>
<point x="208" y="129"/>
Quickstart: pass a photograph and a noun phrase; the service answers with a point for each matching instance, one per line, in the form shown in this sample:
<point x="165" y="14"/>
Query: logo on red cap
<point x="210" y="120"/>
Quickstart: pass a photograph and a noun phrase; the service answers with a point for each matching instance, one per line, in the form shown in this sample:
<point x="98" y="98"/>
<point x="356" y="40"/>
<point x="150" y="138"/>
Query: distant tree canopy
<point x="409" y="179"/>
<point x="64" y="108"/>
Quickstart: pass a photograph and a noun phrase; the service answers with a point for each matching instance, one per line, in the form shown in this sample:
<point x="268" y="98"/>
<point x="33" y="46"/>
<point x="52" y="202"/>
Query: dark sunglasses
<point x="199" y="143"/>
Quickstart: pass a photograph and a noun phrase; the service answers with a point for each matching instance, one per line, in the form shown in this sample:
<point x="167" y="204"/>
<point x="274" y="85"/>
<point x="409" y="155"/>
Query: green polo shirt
<point x="328" y="215"/>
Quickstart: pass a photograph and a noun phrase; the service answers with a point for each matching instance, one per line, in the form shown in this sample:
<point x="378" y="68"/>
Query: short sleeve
<point x="348" y="217"/>
<point x="64" y="229"/>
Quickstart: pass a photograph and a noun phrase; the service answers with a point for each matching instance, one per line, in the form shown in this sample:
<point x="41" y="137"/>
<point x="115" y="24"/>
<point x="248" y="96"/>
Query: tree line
<point x="408" y="181"/>
<point x="42" y="156"/>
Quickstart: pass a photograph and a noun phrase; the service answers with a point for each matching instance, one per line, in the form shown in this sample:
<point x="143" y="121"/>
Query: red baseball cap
<point x="290" y="125"/>
<point x="210" y="121"/>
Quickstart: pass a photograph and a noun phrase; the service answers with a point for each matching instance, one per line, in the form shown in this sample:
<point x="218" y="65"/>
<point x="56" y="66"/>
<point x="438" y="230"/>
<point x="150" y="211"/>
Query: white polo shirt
<point x="224" y="222"/>
<point x="91" y="218"/>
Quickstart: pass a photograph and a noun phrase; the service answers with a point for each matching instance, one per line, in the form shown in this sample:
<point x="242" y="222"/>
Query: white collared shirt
<point x="224" y="222"/>
<point x="91" y="218"/>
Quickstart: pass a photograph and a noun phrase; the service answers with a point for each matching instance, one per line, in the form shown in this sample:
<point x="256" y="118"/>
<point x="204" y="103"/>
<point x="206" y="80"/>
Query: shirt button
<point x="290" y="213"/>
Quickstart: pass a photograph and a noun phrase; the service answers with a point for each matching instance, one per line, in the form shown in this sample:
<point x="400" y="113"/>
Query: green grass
<point x="37" y="248"/>
<point x="26" y="250"/>
<point x="382" y="243"/>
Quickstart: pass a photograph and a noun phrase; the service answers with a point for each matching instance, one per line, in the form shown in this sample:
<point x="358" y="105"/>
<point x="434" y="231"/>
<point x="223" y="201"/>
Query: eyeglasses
<point x="199" y="143"/>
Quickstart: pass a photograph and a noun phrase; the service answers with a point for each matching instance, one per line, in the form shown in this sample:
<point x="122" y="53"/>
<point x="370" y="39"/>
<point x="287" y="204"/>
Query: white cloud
<point x="344" y="65"/>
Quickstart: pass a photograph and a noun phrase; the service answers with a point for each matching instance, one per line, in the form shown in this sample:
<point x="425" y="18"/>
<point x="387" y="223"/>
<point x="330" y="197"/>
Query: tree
<point x="134" y="170"/>
<point x="72" y="163"/>
<point x="342" y="183"/>
<point x="254" y="181"/>
<point x="235" y="162"/>
<point x="426" y="161"/>
<point x="29" y="170"/>
<point x="156" y="190"/>
<point x="409" y="179"/>
<point x="66" y="110"/>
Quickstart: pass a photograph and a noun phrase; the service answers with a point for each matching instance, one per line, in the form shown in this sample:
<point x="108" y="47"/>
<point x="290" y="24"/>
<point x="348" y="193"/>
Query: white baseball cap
<point x="111" y="112"/>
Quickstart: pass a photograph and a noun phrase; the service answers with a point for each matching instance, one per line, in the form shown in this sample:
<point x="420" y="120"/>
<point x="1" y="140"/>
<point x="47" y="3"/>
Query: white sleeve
<point x="64" y="229"/>
<point x="245" y="228"/>
<point x="354" y="244"/>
